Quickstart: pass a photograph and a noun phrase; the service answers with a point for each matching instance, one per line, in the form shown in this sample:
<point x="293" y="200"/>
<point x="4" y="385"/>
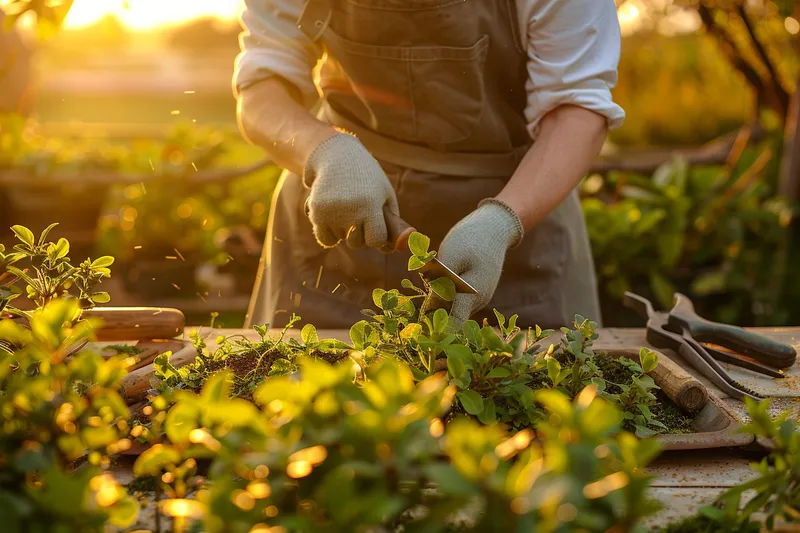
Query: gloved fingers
<point x="355" y="237"/>
<point x="375" y="232"/>
<point x="464" y="306"/>
<point x="326" y="236"/>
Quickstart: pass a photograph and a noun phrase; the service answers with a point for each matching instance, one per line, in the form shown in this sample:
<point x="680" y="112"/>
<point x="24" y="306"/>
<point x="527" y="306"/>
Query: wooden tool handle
<point x="136" y="384"/>
<point x="679" y="386"/>
<point x="398" y="229"/>
<point x="137" y="323"/>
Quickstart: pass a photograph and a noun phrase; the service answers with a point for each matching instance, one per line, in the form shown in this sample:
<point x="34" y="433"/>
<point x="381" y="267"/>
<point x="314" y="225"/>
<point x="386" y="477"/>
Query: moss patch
<point x="666" y="411"/>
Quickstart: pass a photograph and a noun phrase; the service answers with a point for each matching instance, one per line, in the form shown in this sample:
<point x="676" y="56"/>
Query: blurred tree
<point x="15" y="71"/>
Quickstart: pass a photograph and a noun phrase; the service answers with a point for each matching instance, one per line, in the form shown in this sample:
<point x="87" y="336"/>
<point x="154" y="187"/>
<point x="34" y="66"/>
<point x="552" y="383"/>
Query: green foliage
<point x="776" y="489"/>
<point x="47" y="273"/>
<point x="54" y="411"/>
<point x="322" y="453"/>
<point x="495" y="369"/>
<point x="720" y="237"/>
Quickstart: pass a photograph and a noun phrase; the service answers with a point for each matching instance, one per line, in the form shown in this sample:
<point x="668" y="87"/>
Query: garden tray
<point x="715" y="424"/>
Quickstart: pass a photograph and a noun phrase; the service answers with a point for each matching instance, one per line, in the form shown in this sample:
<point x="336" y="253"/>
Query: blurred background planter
<point x="32" y="201"/>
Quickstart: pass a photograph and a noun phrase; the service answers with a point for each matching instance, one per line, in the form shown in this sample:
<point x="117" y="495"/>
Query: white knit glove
<point x="475" y="249"/>
<point x="348" y="192"/>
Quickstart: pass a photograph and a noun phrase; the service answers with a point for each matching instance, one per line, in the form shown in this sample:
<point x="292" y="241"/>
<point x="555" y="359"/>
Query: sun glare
<point x="148" y="14"/>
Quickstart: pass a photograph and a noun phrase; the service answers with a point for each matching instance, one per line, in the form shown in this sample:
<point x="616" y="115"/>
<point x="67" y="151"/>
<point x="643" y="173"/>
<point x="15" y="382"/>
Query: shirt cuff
<point x="595" y="97"/>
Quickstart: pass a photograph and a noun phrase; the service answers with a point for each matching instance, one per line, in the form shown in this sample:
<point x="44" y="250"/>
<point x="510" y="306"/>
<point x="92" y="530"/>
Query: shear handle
<point x="760" y="348"/>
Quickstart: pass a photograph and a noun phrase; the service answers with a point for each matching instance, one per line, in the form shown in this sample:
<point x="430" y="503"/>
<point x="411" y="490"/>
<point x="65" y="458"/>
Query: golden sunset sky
<point x="152" y="14"/>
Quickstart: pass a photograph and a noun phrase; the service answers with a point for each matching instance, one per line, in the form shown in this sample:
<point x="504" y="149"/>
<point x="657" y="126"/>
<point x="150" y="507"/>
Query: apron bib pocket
<point x="422" y="94"/>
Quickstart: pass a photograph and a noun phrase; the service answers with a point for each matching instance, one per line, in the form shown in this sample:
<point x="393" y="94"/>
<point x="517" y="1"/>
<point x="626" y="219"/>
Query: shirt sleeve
<point x="573" y="49"/>
<point x="273" y="45"/>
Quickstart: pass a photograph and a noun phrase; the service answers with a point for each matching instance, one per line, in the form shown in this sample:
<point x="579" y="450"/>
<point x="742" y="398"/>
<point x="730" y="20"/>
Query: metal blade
<point x="437" y="269"/>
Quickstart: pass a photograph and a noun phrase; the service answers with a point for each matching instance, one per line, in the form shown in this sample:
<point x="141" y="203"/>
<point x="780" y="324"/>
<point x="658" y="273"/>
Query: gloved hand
<point x="348" y="190"/>
<point x="475" y="249"/>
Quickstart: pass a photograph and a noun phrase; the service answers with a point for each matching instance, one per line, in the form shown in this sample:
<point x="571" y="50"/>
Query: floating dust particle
<point x="319" y="276"/>
<point x="179" y="255"/>
<point x="137" y="247"/>
<point x="277" y="239"/>
<point x="194" y="167"/>
<point x="336" y="288"/>
<point x="205" y="221"/>
<point x="188" y="92"/>
<point x="201" y="297"/>
<point x="171" y="257"/>
<point x="176" y="286"/>
<point x="144" y="189"/>
<point x="175" y="112"/>
<point x="291" y="295"/>
<point x="152" y="167"/>
<point x="297" y="299"/>
<point x="304" y="284"/>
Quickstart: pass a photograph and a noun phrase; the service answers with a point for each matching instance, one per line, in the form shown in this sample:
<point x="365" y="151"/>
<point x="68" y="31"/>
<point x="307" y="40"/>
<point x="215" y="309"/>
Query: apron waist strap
<point x="424" y="159"/>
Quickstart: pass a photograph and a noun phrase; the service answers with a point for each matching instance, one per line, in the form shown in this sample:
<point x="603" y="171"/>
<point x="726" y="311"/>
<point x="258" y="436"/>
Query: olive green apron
<point x="435" y="89"/>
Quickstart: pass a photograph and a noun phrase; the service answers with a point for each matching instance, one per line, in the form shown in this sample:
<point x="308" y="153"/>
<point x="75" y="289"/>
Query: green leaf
<point x="100" y="297"/>
<point x="154" y="459"/>
<point x="440" y="320"/>
<point x="472" y="331"/>
<point x="181" y="420"/>
<point x="489" y="413"/>
<point x="358" y="334"/>
<point x="103" y="262"/>
<point x="163" y="368"/>
<point x="23" y="234"/>
<point x="46" y="232"/>
<point x="501" y="320"/>
<point x="649" y="360"/>
<point x="124" y="512"/>
<point x="309" y="335"/>
<point x="411" y="331"/>
<point x="418" y="244"/>
<point x="415" y="263"/>
<point x="444" y="288"/>
<point x="553" y="370"/>
<point x="644" y="432"/>
<point x="456" y="365"/>
<point x="499" y="372"/>
<point x="377" y="294"/>
<point x="471" y="401"/>
<point x="389" y="301"/>
<point x="61" y="248"/>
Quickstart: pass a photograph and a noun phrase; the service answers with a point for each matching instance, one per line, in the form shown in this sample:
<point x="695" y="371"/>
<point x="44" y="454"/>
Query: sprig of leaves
<point x="48" y="273"/>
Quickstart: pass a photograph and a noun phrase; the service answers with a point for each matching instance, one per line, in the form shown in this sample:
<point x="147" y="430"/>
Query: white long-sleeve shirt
<point x="573" y="49"/>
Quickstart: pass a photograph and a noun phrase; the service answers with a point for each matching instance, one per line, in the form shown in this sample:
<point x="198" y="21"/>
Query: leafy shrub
<point x="55" y="411"/>
<point x="496" y="370"/>
<point x="49" y="274"/>
<point x="720" y="237"/>
<point x="326" y="454"/>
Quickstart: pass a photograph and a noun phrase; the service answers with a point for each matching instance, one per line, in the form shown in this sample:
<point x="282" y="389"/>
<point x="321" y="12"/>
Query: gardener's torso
<point x="446" y="74"/>
<point x="435" y="89"/>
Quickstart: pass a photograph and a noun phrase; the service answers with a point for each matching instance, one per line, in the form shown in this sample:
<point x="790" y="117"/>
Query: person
<point x="474" y="120"/>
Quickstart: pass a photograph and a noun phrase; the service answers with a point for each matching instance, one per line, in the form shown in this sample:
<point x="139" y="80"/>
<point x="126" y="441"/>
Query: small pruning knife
<point x="399" y="232"/>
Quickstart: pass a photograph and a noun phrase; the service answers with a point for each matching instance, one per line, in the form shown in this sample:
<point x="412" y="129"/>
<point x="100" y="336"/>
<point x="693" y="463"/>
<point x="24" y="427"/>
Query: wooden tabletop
<point x="686" y="480"/>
